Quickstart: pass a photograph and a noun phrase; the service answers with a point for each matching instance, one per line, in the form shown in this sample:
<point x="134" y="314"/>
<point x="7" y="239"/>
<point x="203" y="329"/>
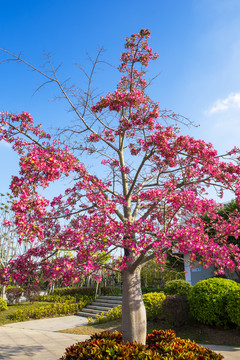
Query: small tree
<point x="32" y="292"/>
<point x="10" y="248"/>
<point x="14" y="295"/>
<point x="153" y="178"/>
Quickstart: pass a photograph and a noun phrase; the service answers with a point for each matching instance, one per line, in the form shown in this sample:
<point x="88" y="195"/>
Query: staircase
<point x="101" y="304"/>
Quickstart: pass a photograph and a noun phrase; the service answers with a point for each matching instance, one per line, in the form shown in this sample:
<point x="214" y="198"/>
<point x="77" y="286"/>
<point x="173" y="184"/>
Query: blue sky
<point x="198" y="42"/>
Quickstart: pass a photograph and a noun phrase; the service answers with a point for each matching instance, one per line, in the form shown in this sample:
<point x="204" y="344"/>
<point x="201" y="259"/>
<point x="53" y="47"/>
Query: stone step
<point x="99" y="308"/>
<point x="108" y="302"/>
<point x="102" y="304"/>
<point x="86" y="314"/>
<point x="92" y="311"/>
<point x="111" y="297"/>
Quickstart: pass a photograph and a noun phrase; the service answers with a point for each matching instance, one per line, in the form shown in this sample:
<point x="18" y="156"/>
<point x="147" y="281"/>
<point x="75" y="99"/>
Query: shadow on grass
<point x="192" y="330"/>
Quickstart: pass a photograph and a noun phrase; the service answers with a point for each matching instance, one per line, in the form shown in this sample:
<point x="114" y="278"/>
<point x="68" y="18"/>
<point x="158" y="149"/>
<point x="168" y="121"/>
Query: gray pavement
<point x="37" y="339"/>
<point x="229" y="352"/>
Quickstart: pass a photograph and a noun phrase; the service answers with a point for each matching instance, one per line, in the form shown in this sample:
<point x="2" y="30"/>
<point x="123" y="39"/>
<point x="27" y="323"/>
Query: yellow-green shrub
<point x="50" y="310"/>
<point x="208" y="300"/>
<point x="153" y="304"/>
<point x="45" y="311"/>
<point x="112" y="314"/>
<point x="3" y="304"/>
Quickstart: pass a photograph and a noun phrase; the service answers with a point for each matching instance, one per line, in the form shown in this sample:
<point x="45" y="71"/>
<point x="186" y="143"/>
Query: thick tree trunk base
<point x="133" y="310"/>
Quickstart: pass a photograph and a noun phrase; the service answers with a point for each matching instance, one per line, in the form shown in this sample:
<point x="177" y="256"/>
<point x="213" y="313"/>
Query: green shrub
<point x="66" y="298"/>
<point x="54" y="309"/>
<point x="161" y="345"/>
<point x="178" y="287"/>
<point x="3" y="304"/>
<point x="45" y="311"/>
<point x="73" y="291"/>
<point x="146" y="290"/>
<point x="110" y="290"/>
<point x="175" y="309"/>
<point x="153" y="304"/>
<point x="112" y="314"/>
<point x="208" y="300"/>
<point x="88" y="291"/>
<point x="233" y="306"/>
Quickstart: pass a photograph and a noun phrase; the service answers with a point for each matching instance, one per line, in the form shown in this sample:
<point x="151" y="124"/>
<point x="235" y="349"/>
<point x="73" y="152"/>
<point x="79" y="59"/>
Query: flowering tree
<point x="147" y="204"/>
<point x="227" y="213"/>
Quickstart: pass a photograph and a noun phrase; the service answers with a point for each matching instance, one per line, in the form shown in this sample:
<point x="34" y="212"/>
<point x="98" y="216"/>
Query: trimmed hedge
<point x="153" y="304"/>
<point x="233" y="306"/>
<point x="89" y="291"/>
<point x="177" y="287"/>
<point x="208" y="300"/>
<point x="45" y="311"/>
<point x="66" y="298"/>
<point x="54" y="309"/>
<point x="73" y="291"/>
<point x="160" y="345"/>
<point x="146" y="290"/>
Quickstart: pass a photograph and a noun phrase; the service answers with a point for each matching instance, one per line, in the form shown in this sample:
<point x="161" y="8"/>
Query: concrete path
<point x="229" y="352"/>
<point x="36" y="340"/>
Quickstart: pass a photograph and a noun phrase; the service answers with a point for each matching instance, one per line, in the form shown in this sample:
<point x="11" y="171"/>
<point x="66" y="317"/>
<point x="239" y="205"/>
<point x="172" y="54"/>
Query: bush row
<point x="50" y="310"/>
<point x="73" y="291"/>
<point x="159" y="345"/>
<point x="66" y="298"/>
<point x="213" y="301"/>
<point x="89" y="291"/>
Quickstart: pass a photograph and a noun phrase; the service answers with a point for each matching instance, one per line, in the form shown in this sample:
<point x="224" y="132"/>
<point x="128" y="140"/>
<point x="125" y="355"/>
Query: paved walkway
<point x="36" y="340"/>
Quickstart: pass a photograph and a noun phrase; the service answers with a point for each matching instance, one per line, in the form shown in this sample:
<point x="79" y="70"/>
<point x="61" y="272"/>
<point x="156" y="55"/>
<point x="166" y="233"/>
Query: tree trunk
<point x="3" y="292"/>
<point x="134" y="320"/>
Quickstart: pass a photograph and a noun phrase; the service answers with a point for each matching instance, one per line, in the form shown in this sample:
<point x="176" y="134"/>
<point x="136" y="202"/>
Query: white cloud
<point x="229" y="103"/>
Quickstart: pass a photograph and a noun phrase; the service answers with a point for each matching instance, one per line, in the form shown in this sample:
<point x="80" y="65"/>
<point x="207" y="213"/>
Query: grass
<point x="4" y="315"/>
<point x="193" y="330"/>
